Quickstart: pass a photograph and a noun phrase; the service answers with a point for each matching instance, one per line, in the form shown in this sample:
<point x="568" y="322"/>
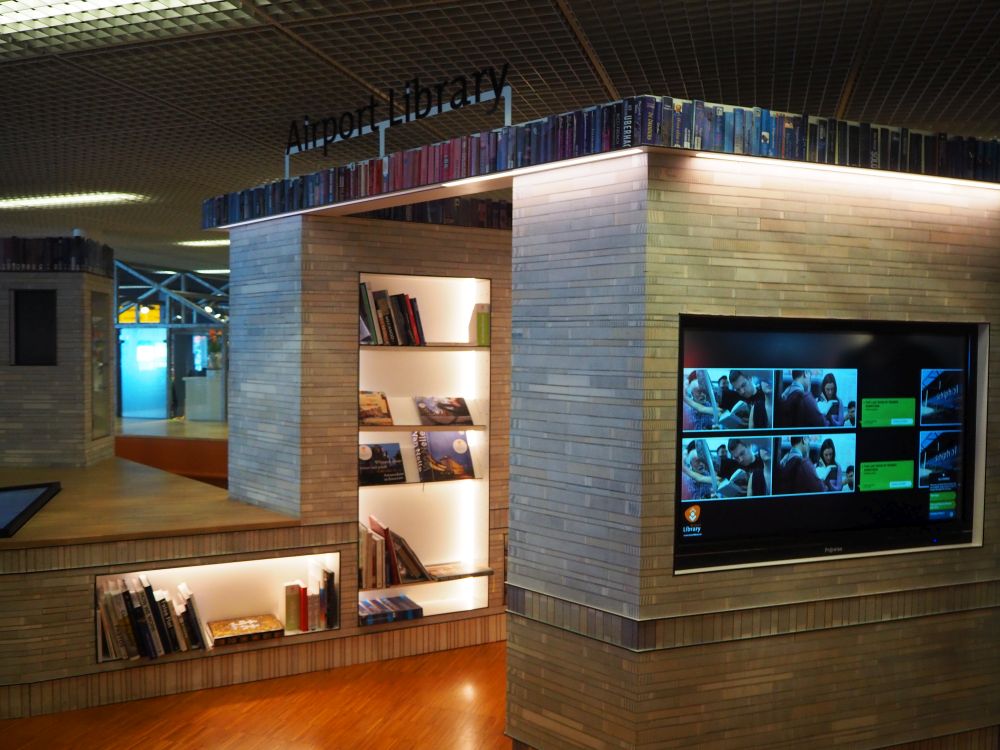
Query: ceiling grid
<point x="185" y="102"/>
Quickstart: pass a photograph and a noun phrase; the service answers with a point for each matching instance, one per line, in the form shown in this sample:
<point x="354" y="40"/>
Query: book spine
<point x="123" y="622"/>
<point x="168" y="626"/>
<point x="154" y="608"/>
<point x="147" y="613"/>
<point x="303" y="609"/>
<point x="143" y="640"/>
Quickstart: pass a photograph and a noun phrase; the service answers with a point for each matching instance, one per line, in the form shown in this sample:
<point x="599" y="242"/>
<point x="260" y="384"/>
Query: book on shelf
<point x="442" y="456"/>
<point x="454" y="570"/>
<point x="195" y="624"/>
<point x="243" y="629"/>
<point x="373" y="409"/>
<point x="380" y="463"/>
<point x="388" y="609"/>
<point x="442" y="410"/>
<point x="293" y="591"/>
<point x="479" y="325"/>
<point x="138" y="594"/>
<point x="402" y="563"/>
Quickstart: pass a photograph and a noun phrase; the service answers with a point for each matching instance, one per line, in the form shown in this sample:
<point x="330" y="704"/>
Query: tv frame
<point x="978" y="332"/>
<point x="49" y="491"/>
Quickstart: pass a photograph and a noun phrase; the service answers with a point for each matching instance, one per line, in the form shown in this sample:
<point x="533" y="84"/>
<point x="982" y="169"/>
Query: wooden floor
<point x="119" y="499"/>
<point x="453" y="700"/>
<point x="175" y="428"/>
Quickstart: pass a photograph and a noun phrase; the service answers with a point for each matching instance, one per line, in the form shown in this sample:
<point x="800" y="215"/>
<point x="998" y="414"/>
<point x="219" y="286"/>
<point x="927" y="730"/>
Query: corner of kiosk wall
<point x="982" y="379"/>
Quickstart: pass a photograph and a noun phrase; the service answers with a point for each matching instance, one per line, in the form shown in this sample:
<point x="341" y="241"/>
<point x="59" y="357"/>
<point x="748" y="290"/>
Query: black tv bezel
<point x="786" y="549"/>
<point x="49" y="491"/>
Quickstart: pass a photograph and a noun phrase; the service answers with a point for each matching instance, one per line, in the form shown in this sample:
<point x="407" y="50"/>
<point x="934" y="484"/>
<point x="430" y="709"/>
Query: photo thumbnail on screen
<point x="816" y="397"/>
<point x="940" y="459"/>
<point x="941" y="397"/>
<point x="719" y="398"/>
<point x="722" y="468"/>
<point x="811" y="464"/>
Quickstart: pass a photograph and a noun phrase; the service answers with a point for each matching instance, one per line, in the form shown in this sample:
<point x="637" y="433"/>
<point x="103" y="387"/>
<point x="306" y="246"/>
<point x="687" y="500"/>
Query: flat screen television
<point x="810" y="439"/>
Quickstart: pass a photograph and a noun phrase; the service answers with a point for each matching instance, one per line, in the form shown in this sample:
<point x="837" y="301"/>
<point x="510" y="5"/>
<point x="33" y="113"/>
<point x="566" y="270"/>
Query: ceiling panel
<point x="195" y="101"/>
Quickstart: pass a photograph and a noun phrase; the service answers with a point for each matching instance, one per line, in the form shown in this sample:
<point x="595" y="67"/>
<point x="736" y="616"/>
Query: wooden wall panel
<point x="577" y="382"/>
<point x="860" y="687"/>
<point x="49" y="422"/>
<point x="730" y="238"/>
<point x="731" y="658"/>
<point x="265" y="341"/>
<point x="335" y="251"/>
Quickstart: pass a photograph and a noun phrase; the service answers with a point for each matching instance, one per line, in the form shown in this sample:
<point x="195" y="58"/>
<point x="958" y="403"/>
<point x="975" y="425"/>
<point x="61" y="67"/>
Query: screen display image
<point x="804" y="439"/>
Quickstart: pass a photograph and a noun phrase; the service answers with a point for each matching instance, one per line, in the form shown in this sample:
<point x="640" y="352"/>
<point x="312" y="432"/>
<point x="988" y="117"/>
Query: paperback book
<point x="373" y="409"/>
<point x="443" y="410"/>
<point x="442" y="456"/>
<point x="380" y="463"/>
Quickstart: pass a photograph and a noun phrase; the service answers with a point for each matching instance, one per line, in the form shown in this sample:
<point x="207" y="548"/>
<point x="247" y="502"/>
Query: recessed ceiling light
<point x="71" y="199"/>
<point x="205" y="243"/>
<point x="27" y="15"/>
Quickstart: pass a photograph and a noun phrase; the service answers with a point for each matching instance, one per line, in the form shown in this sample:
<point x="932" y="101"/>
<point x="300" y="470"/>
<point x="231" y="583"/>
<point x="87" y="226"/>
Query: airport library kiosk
<point x="607" y="645"/>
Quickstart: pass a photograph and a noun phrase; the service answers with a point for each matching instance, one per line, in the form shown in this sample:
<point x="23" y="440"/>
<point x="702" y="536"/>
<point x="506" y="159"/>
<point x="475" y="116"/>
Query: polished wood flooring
<point x="451" y="700"/>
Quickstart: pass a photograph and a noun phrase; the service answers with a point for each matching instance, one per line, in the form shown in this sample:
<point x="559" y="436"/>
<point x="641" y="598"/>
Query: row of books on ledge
<point x="388" y="609"/>
<point x="56" y="254"/>
<point x="440" y="457"/>
<point x="137" y="621"/>
<point x="480" y="213"/>
<point x="634" y="121"/>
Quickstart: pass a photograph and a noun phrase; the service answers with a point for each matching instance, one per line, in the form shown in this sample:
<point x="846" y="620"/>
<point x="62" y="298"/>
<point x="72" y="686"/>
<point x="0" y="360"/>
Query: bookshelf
<point x="444" y="522"/>
<point x="225" y="591"/>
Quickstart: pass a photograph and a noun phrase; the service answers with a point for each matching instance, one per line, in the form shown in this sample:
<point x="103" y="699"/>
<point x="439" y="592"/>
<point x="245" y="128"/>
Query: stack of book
<point x="634" y="121"/>
<point x="392" y="319"/>
<point x="385" y="558"/>
<point x="56" y="254"/>
<point x="388" y="609"/>
<point x="136" y="621"/>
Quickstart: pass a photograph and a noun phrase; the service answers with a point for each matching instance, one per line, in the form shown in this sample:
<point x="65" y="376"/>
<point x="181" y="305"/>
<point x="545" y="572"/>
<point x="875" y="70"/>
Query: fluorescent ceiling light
<point x="73" y="199"/>
<point x="213" y="271"/>
<point x="205" y="243"/>
<point x="28" y="15"/>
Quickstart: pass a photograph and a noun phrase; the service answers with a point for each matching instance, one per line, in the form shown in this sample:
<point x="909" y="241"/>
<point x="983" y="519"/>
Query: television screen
<point x="802" y="439"/>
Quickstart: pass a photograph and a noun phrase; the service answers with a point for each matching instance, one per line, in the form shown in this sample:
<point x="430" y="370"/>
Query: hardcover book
<point x="373" y="409"/>
<point x="241" y="629"/>
<point x="443" y="410"/>
<point x="442" y="456"/>
<point x="380" y="463"/>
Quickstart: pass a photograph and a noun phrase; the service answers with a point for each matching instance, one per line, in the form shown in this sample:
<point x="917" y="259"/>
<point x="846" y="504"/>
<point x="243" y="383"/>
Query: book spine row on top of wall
<point x="56" y="254"/>
<point x="634" y="121"/>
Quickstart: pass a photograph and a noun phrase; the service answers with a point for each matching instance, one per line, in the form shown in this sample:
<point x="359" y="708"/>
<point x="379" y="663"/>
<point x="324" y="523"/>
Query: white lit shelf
<point x="475" y="571"/>
<point x="231" y="590"/>
<point x="423" y="428"/>
<point x="446" y="519"/>
<point x="430" y="483"/>
<point x="444" y="347"/>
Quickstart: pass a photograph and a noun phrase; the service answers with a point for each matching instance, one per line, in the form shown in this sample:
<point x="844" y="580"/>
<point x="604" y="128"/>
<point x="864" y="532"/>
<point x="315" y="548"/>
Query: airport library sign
<point x="417" y="102"/>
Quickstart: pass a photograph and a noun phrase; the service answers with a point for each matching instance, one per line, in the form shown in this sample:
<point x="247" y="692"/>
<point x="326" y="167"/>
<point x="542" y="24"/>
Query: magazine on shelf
<point x="373" y="409"/>
<point x="380" y="463"/>
<point x="443" y="456"/>
<point x="443" y="410"/>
